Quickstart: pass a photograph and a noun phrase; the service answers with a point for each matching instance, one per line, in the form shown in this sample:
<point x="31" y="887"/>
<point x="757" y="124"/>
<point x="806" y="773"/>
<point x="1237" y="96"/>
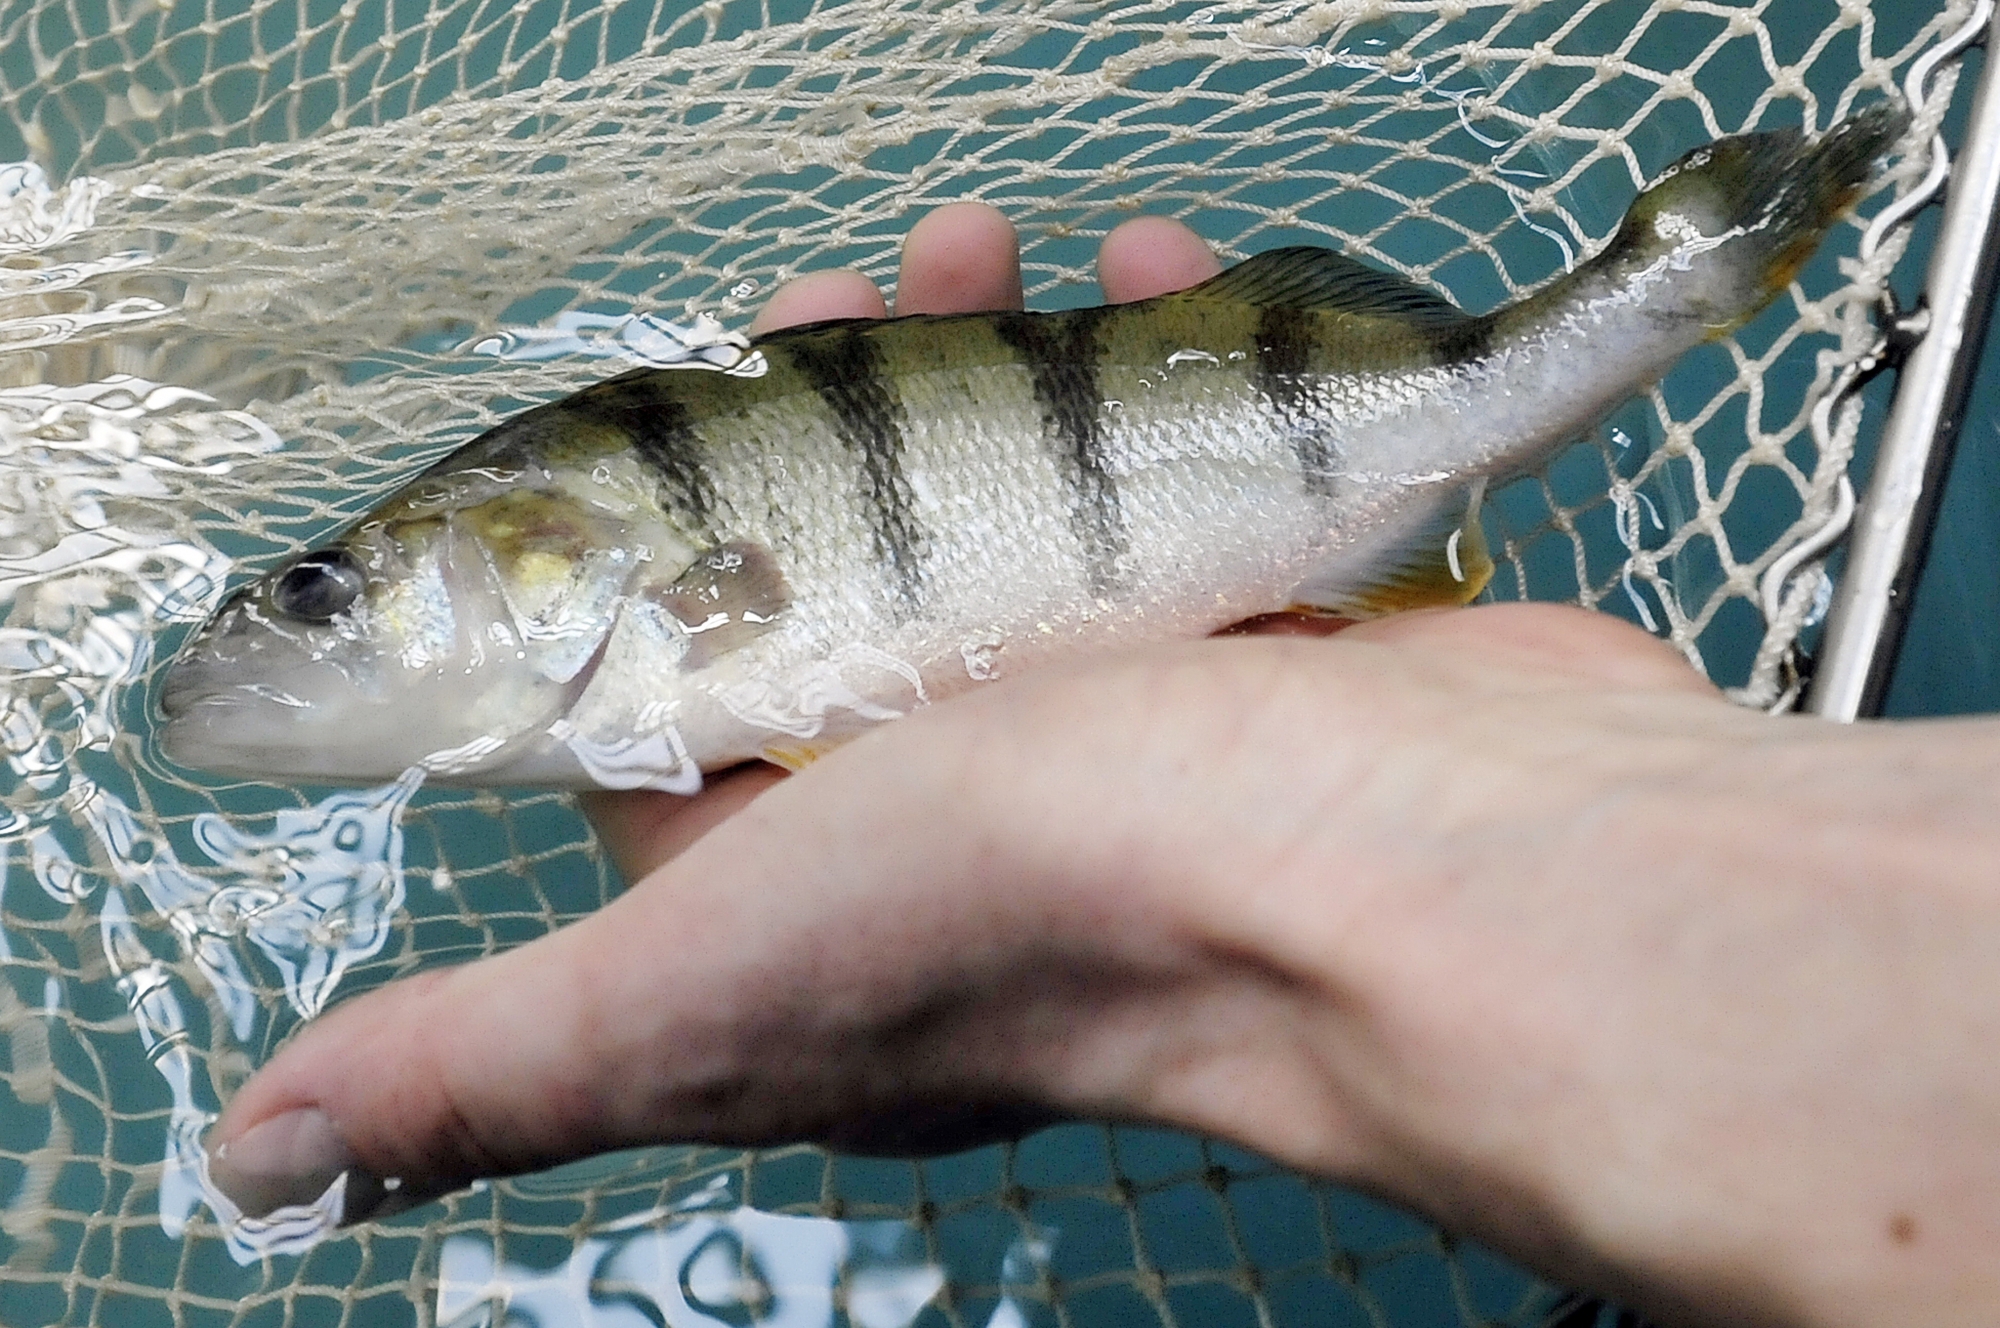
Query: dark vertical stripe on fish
<point x="1465" y="339"/>
<point x="1284" y="356"/>
<point x="1061" y="351"/>
<point x="845" y="368"/>
<point x="663" y="433"/>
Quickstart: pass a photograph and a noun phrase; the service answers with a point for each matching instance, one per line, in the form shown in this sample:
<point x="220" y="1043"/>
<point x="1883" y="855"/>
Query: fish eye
<point x="319" y="586"/>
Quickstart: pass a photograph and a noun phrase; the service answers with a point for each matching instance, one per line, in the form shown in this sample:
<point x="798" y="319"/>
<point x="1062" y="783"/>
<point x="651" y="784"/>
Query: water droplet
<point x="982" y="659"/>
<point x="1822" y="599"/>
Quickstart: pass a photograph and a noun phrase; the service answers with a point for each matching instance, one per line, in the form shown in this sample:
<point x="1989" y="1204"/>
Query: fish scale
<point x="678" y="570"/>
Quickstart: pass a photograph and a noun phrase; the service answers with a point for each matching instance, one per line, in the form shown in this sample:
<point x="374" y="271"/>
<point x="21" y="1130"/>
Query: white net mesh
<point x="270" y="256"/>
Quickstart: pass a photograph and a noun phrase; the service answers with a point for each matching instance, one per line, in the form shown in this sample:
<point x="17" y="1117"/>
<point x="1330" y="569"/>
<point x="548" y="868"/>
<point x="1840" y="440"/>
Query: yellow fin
<point x="1443" y="561"/>
<point x="796" y="756"/>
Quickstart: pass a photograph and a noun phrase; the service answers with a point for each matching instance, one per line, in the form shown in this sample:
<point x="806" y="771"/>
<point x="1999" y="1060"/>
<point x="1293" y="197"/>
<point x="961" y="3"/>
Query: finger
<point x="818" y="296"/>
<point x="961" y="258"/>
<point x="1150" y="256"/>
<point x="642" y="829"/>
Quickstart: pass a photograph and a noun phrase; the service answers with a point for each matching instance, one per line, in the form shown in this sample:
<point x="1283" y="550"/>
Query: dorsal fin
<point x="1305" y="277"/>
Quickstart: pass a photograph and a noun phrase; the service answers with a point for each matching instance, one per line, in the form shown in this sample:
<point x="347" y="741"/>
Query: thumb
<point x="796" y="973"/>
<point x="657" y="1018"/>
<point x="420" y="1086"/>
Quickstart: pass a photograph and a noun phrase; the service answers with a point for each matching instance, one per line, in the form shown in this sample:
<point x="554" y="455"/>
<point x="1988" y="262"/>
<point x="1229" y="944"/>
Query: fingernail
<point x="290" y="1160"/>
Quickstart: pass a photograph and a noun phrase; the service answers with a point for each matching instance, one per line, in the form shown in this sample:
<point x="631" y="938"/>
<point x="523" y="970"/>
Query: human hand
<point x="1501" y="912"/>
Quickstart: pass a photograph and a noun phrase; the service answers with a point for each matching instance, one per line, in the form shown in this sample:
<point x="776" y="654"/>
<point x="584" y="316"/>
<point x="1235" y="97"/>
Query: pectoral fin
<point x="1439" y="562"/>
<point x="727" y="598"/>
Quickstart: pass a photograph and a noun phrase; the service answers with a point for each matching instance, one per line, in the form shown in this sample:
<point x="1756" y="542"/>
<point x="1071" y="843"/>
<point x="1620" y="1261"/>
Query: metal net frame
<point x="258" y="261"/>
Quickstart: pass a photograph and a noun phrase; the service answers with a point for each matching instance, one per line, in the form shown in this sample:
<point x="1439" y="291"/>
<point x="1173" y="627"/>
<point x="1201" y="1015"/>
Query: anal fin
<point x="1439" y="561"/>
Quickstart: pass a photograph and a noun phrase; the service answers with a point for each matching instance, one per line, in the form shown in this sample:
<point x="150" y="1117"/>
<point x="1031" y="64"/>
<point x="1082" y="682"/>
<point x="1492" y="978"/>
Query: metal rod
<point x="1871" y="605"/>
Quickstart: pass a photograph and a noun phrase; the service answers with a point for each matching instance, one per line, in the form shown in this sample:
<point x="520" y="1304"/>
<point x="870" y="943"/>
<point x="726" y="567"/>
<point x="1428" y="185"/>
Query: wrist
<point x="1746" y="1066"/>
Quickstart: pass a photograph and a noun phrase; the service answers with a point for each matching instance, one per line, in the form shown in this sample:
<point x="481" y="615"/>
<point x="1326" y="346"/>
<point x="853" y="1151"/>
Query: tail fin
<point x="1777" y="192"/>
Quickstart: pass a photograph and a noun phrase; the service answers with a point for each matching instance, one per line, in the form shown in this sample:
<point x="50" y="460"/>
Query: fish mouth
<point x="210" y="720"/>
<point x="195" y="711"/>
<point x="187" y="690"/>
<point x="181" y="695"/>
<point x="260" y="732"/>
<point x="311" y="722"/>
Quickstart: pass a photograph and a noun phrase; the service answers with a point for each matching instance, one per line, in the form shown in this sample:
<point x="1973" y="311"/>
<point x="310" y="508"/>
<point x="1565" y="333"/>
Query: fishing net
<point x="260" y="260"/>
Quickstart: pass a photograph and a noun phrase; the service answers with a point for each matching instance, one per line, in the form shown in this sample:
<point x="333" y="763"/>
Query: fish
<point x="679" y="570"/>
